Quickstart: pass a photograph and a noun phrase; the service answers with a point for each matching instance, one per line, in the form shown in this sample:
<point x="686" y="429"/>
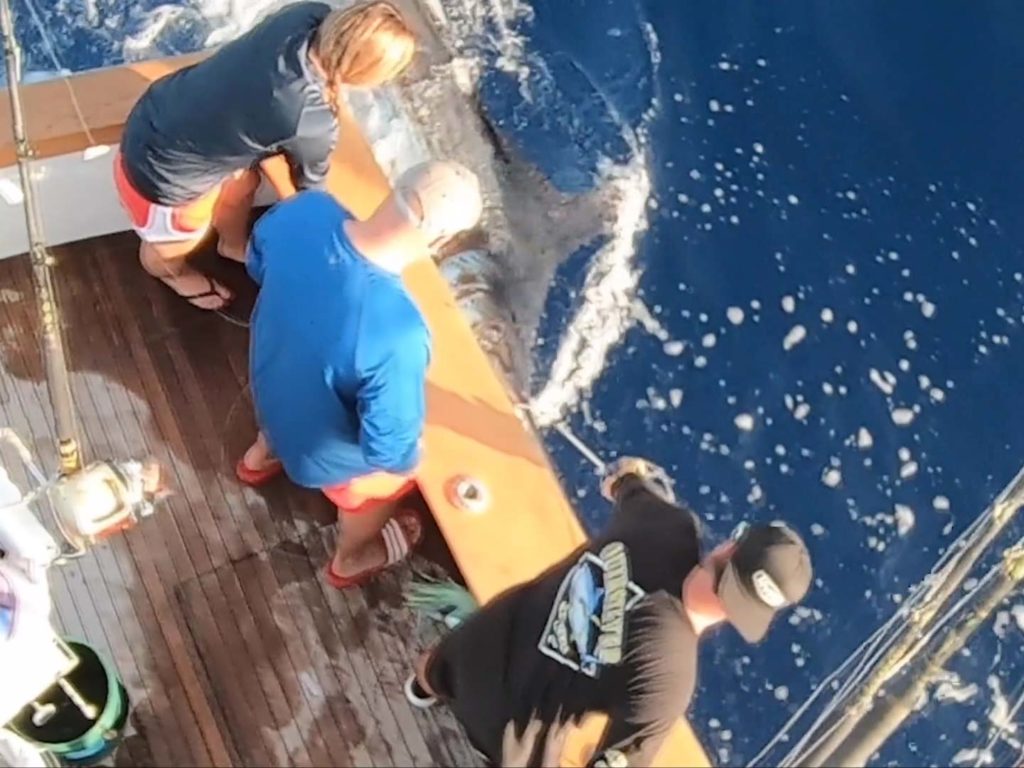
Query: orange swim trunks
<point x="157" y="223"/>
<point x="369" y="489"/>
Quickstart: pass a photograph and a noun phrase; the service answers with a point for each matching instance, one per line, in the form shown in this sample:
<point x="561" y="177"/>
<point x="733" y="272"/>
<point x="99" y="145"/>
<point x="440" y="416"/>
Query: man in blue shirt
<point x="339" y="353"/>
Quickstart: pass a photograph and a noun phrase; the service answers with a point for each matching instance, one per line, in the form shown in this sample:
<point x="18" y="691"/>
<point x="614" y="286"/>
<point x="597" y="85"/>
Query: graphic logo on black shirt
<point x="587" y="625"/>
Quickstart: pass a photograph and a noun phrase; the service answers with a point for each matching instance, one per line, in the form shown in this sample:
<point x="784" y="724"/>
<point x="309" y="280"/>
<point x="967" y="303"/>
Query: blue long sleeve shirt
<point x="338" y="350"/>
<point x="257" y="96"/>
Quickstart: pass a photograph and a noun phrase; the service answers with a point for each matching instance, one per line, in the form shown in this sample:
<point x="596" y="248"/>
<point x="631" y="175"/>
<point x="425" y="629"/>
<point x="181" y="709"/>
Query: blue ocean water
<point x="849" y="168"/>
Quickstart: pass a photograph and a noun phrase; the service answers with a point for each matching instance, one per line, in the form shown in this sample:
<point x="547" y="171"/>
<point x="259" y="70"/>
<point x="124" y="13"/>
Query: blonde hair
<point x="367" y="44"/>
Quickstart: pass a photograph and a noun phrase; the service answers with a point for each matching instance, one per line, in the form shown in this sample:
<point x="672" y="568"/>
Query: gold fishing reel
<point x="102" y="499"/>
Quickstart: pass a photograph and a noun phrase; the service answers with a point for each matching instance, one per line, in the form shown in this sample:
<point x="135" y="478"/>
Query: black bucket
<point x="68" y="734"/>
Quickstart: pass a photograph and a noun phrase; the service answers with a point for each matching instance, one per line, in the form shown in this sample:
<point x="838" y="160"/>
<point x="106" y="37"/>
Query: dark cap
<point x="769" y="570"/>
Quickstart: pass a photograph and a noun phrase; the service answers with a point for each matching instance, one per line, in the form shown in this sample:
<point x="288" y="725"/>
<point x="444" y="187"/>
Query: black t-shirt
<point x="255" y="97"/>
<point x="603" y="631"/>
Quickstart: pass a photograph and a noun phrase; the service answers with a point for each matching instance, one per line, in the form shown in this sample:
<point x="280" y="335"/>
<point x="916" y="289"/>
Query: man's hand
<point x="618" y="469"/>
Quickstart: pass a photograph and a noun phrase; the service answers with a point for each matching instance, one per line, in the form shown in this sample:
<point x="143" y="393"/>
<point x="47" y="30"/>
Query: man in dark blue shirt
<point x="339" y="354"/>
<point x="190" y="144"/>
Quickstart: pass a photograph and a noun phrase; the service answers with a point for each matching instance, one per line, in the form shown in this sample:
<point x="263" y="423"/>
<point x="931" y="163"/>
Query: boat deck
<point x="233" y="649"/>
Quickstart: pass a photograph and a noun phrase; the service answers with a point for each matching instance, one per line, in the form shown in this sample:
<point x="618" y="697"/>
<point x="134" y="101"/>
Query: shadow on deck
<point x="233" y="649"/>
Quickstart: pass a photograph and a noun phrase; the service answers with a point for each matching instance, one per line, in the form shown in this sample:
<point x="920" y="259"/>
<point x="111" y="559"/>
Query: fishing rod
<point x="841" y="727"/>
<point x="87" y="503"/>
<point x="898" y="703"/>
<point x="57" y="378"/>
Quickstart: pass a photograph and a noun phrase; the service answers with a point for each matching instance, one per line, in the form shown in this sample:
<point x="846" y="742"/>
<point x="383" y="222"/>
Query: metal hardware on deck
<point x="469" y="494"/>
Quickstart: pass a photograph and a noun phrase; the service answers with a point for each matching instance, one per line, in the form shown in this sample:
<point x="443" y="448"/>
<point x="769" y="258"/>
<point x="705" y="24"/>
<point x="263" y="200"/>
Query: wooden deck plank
<point x="169" y="739"/>
<point x="346" y="698"/>
<point x="291" y="566"/>
<point x="307" y="651"/>
<point x="288" y="670"/>
<point x="408" y="748"/>
<point x="133" y="440"/>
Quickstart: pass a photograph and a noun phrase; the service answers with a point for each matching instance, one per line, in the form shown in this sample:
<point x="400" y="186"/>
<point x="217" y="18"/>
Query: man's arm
<point x="309" y="151"/>
<point x="637" y="501"/>
<point x="660" y="682"/>
<point x="392" y="407"/>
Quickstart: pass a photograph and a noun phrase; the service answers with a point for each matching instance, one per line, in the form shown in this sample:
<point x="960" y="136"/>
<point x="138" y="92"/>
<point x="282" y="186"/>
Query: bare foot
<point x="189" y="283"/>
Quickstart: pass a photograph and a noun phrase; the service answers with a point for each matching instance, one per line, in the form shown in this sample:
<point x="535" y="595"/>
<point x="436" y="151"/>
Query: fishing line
<point x="51" y="50"/>
<point x="998" y="731"/>
<point x="872" y="649"/>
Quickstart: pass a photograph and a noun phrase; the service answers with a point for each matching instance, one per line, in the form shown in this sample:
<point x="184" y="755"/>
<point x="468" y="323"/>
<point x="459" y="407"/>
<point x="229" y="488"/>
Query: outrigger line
<point x="57" y="379"/>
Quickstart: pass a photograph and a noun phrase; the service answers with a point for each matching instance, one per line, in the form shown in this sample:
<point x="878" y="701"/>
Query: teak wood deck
<point x="233" y="649"/>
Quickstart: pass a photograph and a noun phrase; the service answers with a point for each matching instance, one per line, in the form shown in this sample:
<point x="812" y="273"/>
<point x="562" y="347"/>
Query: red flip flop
<point x="257" y="477"/>
<point x="395" y="542"/>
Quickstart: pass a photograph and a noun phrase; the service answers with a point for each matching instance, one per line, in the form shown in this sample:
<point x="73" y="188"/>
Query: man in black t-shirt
<point x="613" y="628"/>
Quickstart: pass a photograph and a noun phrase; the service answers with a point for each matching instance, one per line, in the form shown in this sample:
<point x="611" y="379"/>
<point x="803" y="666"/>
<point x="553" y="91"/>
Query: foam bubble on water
<point x="851" y="326"/>
<point x="827" y="315"/>
<point x="714" y="105"/>
<point x="832" y="477"/>
<point x="735" y="315"/>
<point x="709" y="340"/>
<point x="936" y="394"/>
<point x="864" y="439"/>
<point x="904" y="519"/>
<point x="1017" y="612"/>
<point x="793" y="199"/>
<point x="788" y="304"/>
<point x="758" y="148"/>
<point x="904" y="453"/>
<point x="802" y="411"/>
<point x="744" y="421"/>
<point x="940" y="504"/>
<point x="973" y="756"/>
<point x="781" y="693"/>
<point x="700" y="361"/>
<point x="908" y="470"/>
<point x="902" y="417"/>
<point x="817" y="529"/>
<point x="880" y="381"/>
<point x="796" y="334"/>
<point x="675" y="397"/>
<point x="673" y="348"/>
<point x="999" y="715"/>
<point x="955" y="690"/>
<point x="928" y="309"/>
<point x="1001" y="624"/>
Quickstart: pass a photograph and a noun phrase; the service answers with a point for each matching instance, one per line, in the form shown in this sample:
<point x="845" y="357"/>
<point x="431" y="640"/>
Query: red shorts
<point x="157" y="223"/>
<point x="364" y="491"/>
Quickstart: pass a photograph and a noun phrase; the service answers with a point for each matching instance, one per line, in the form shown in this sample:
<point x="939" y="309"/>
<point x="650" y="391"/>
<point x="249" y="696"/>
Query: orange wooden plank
<point x="104" y="95"/>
